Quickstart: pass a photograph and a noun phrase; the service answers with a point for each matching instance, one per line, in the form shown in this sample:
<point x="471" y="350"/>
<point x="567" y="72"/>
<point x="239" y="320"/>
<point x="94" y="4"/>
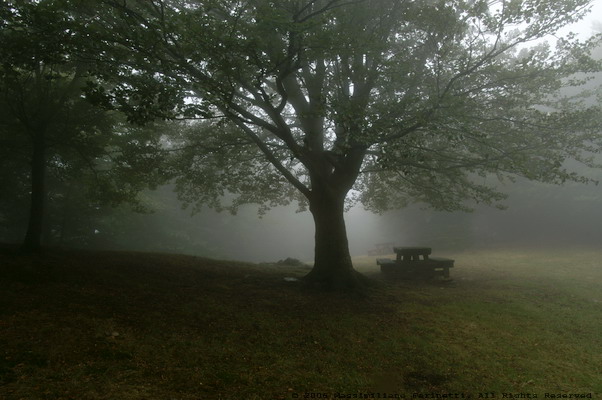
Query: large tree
<point x="332" y="101"/>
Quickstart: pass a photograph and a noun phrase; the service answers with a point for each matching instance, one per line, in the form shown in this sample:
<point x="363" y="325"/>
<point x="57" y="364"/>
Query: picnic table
<point x="414" y="262"/>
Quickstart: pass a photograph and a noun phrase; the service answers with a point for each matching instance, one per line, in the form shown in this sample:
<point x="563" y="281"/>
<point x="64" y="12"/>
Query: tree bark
<point x="333" y="268"/>
<point x="33" y="237"/>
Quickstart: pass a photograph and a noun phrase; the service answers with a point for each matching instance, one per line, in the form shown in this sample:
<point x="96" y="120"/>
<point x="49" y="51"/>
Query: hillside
<point x="111" y="325"/>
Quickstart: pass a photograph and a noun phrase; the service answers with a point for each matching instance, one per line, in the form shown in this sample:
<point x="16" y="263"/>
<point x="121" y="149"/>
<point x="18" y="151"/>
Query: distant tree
<point x="333" y="101"/>
<point x="46" y="124"/>
<point x="166" y="228"/>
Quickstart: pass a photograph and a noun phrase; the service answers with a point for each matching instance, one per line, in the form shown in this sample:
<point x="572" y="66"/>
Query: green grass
<point x="107" y="325"/>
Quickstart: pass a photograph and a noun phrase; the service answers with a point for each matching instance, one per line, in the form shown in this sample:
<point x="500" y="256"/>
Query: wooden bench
<point x="415" y="262"/>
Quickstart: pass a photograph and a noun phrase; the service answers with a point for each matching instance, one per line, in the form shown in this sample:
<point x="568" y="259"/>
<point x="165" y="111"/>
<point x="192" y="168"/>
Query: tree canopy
<point x="326" y="101"/>
<point x="53" y="138"/>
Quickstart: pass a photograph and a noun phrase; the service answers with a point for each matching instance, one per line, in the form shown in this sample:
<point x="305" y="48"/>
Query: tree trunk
<point x="333" y="268"/>
<point x="33" y="237"/>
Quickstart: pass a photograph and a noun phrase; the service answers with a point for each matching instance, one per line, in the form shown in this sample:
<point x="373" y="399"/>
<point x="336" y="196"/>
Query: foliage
<point x="327" y="101"/>
<point x="81" y="192"/>
<point x="400" y="101"/>
<point x="213" y="164"/>
<point x="87" y="152"/>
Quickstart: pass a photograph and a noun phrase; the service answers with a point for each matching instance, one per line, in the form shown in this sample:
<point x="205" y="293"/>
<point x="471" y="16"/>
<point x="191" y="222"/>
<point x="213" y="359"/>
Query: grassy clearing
<point x="83" y="325"/>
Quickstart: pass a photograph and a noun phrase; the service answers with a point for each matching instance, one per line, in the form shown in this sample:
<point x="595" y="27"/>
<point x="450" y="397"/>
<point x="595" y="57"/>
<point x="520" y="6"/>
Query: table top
<point x="408" y="251"/>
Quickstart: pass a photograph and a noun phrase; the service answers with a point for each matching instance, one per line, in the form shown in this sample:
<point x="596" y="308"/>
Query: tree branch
<point x="270" y="155"/>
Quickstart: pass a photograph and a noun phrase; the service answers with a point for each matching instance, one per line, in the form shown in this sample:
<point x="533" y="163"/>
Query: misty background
<point x="537" y="214"/>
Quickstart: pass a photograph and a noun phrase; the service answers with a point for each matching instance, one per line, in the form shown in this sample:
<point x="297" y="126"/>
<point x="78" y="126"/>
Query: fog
<point x="537" y="215"/>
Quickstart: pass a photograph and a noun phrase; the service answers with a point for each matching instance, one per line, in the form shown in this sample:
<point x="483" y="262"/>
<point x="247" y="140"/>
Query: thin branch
<point x="270" y="155"/>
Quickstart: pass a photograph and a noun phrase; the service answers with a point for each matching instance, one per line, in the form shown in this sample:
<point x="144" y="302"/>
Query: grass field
<point x="94" y="325"/>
